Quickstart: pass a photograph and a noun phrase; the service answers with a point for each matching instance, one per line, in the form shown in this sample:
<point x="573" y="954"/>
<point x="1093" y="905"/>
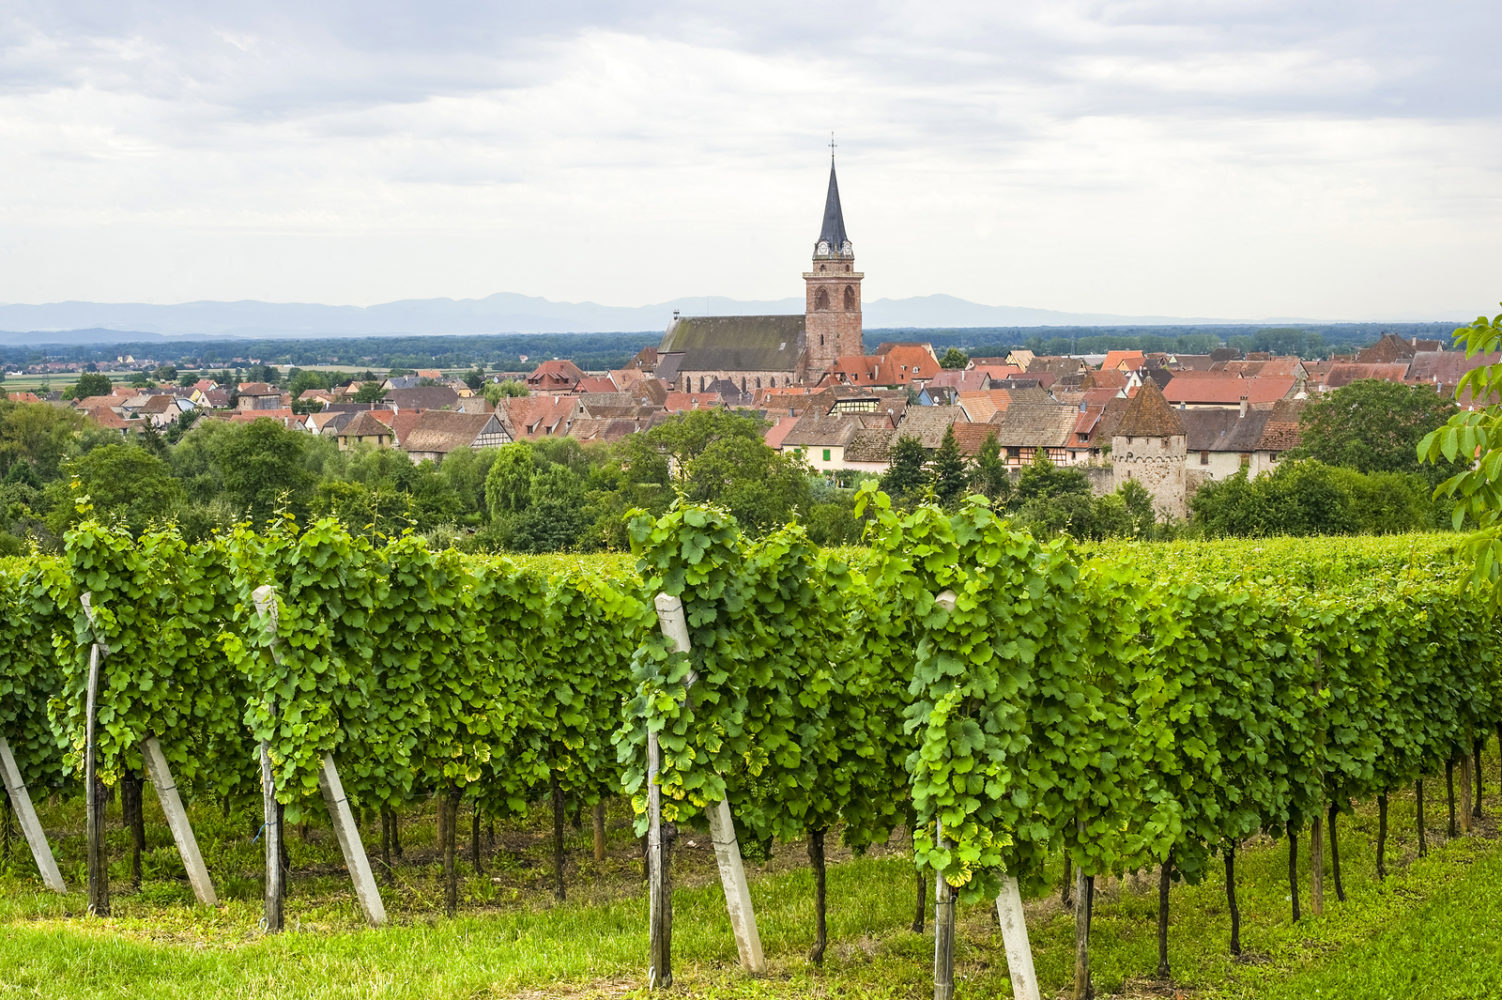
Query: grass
<point x="1430" y="930"/>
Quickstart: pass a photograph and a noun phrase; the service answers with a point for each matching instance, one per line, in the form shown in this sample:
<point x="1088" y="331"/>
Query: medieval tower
<point x="832" y="322"/>
<point x="1149" y="446"/>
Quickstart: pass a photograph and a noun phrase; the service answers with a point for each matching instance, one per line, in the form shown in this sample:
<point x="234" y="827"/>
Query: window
<point x="1246" y="459"/>
<point x="826" y="454"/>
<point x="821" y="301"/>
<point x="849" y="298"/>
<point x="1204" y="458"/>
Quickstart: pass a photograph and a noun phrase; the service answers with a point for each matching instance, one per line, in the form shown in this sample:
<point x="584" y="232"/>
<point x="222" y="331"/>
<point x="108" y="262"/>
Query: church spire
<point x="833" y="241"/>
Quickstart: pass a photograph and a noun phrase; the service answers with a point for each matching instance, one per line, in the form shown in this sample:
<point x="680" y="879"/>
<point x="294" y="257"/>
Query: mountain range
<point x="504" y="312"/>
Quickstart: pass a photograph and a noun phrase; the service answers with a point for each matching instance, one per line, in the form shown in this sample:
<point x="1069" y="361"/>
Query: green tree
<point x="1375" y="426"/>
<point x="554" y="518"/>
<point x="474" y="378"/>
<point x="947" y="470"/>
<point x="494" y="392"/>
<point x="905" y="477"/>
<point x="89" y="384"/>
<point x="123" y="482"/>
<point x="954" y="358"/>
<point x="370" y="392"/>
<point x="988" y="472"/>
<point x="1473" y="438"/>
<point x="165" y="373"/>
<point x="508" y="484"/>
<point x="262" y="467"/>
<point x="1043" y="480"/>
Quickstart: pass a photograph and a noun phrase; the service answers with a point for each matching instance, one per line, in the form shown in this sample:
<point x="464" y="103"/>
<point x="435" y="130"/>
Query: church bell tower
<point x="832" y="323"/>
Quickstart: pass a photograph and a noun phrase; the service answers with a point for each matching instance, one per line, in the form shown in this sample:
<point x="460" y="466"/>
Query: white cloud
<point x="1243" y="159"/>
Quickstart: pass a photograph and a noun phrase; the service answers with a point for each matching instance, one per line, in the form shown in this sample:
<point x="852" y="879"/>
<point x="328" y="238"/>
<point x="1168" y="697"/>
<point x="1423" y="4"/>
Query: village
<point x="1168" y="421"/>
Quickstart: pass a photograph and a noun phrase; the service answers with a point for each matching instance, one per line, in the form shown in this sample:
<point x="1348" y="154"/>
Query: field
<point x="1428" y="931"/>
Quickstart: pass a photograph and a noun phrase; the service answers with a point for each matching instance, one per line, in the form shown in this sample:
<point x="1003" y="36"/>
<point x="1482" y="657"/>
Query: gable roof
<point x="364" y="424"/>
<point x="814" y="431"/>
<point x="870" y="444"/>
<point x="443" y="431"/>
<point x="735" y="343"/>
<point x="1035" y="425"/>
<point x="1218" y="389"/>
<point x="1224" y="430"/>
<point x="928" y="423"/>
<point x="422" y="397"/>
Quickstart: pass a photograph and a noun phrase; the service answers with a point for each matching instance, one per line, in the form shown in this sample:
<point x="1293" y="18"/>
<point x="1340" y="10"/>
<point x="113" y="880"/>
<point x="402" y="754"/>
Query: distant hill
<point x="504" y="312"/>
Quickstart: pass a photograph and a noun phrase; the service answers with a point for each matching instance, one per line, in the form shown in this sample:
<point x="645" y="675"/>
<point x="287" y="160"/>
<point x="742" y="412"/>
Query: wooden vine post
<point x="177" y="821"/>
<point x="94" y="792"/>
<point x="1014" y="937"/>
<point x="160" y="773"/>
<point x="943" y="923"/>
<point x="31" y="827"/>
<point x="345" y="830"/>
<point x="727" y="848"/>
<point x="1009" y="914"/>
<point x="659" y="888"/>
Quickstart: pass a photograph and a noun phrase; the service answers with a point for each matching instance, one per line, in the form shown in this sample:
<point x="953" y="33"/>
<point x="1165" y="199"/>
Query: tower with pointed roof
<point x="832" y="285"/>
<point x="1149" y="447"/>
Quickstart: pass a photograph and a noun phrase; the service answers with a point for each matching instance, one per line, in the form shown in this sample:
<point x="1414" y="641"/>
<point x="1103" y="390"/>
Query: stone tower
<point x="1149" y="445"/>
<point x="833" y="309"/>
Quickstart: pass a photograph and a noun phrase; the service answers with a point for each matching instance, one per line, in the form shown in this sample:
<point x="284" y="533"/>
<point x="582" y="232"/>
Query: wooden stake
<point x="177" y="821"/>
<point x="1465" y="793"/>
<point x="265" y="602"/>
<point x="659" y="890"/>
<point x="727" y="849"/>
<point x="1014" y="937"/>
<point x="94" y="794"/>
<point x="599" y="825"/>
<point x="348" y="834"/>
<point x="943" y="930"/>
<point x="1316" y="865"/>
<point x="31" y="827"/>
<point x="272" y="832"/>
<point x="1084" y="891"/>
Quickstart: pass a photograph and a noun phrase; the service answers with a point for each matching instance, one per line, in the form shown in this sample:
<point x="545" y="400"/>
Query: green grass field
<point x="1431" y="930"/>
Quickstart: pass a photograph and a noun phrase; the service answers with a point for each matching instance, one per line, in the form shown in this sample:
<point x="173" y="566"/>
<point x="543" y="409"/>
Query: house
<point x="364" y="428"/>
<point x="821" y="440"/>
<point x="555" y="376"/>
<point x="436" y="433"/>
<point x="1122" y="361"/>
<point x="1023" y="429"/>
<point x="532" y="417"/>
<point x="259" y="396"/>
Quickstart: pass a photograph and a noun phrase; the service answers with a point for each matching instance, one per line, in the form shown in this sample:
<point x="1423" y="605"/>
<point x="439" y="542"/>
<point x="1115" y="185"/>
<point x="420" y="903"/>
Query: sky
<point x="1237" y="159"/>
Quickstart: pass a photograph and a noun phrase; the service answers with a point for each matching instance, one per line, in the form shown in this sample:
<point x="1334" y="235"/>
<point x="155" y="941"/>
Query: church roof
<point x="833" y="230"/>
<point x="735" y="343"/>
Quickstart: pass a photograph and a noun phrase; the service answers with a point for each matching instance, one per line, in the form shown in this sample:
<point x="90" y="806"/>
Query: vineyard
<point x="1036" y="715"/>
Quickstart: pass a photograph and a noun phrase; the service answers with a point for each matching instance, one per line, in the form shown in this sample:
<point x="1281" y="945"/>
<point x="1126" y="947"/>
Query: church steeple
<point x="832" y="314"/>
<point x="833" y="242"/>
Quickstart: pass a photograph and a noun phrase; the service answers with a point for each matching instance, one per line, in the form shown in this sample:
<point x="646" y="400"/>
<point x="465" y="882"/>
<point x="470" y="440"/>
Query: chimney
<point x="1243" y="406"/>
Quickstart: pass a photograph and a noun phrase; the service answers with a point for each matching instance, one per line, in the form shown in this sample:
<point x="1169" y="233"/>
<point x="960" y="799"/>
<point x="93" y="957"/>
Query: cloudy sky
<point x="1243" y="158"/>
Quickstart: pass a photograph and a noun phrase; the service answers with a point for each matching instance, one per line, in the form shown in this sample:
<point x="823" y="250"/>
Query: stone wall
<point x="1158" y="465"/>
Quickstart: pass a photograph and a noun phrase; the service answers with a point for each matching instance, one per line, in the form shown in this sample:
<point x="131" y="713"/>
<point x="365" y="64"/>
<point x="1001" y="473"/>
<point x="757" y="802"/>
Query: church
<point x="756" y="352"/>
